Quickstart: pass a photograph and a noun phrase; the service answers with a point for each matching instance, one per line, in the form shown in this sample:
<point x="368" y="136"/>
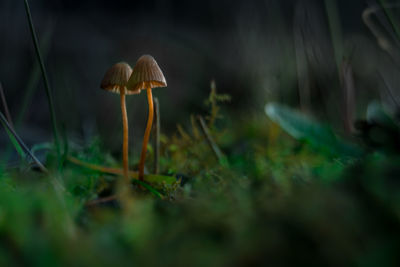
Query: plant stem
<point x="214" y="147"/>
<point x="146" y="134"/>
<point x="46" y="80"/>
<point x="156" y="136"/>
<point x="125" y="137"/>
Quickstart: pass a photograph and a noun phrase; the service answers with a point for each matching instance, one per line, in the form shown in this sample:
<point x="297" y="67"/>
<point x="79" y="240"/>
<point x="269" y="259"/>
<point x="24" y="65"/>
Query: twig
<point x="46" y="80"/>
<point x="214" y="147"/>
<point x="21" y="143"/>
<point x="5" y="106"/>
<point x="156" y="136"/>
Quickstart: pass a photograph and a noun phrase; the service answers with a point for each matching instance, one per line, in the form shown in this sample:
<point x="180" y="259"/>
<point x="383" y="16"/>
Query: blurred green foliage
<point x="281" y="202"/>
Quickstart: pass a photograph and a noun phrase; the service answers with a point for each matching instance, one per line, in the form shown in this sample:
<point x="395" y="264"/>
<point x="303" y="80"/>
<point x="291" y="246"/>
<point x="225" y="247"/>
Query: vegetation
<point x="274" y="188"/>
<point x="316" y="198"/>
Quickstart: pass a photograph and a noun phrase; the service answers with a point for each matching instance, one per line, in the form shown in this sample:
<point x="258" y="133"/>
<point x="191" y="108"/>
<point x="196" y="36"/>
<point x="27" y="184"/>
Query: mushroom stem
<point x="125" y="138"/>
<point x="146" y="134"/>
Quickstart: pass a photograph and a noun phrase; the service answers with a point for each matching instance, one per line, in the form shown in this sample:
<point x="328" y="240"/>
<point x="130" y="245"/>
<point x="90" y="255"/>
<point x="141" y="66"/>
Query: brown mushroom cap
<point x="116" y="79"/>
<point x="146" y="74"/>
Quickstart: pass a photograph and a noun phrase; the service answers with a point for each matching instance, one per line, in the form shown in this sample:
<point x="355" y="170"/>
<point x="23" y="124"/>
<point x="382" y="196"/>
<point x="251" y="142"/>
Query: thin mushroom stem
<point x="146" y="134"/>
<point x="125" y="137"/>
<point x="156" y="135"/>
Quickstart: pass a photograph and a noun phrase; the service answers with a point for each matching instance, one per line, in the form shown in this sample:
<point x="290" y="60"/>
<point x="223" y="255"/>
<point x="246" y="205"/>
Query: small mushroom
<point x="115" y="81"/>
<point x="146" y="75"/>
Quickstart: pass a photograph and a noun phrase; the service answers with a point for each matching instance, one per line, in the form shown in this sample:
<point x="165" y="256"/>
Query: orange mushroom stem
<point x="125" y="142"/>
<point x="146" y="134"/>
<point x="115" y="81"/>
<point x="146" y="75"/>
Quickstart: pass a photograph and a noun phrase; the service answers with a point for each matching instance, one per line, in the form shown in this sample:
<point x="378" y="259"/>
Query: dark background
<point x="248" y="47"/>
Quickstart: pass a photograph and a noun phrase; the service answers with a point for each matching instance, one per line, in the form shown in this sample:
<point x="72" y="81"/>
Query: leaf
<point x="304" y="128"/>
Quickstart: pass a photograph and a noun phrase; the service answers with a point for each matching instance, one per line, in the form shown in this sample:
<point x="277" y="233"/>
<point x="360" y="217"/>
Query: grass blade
<point x="29" y="91"/>
<point x="14" y="141"/>
<point x="148" y="187"/>
<point x="20" y="146"/>
<point x="45" y="78"/>
<point x="34" y="77"/>
<point x="5" y="106"/>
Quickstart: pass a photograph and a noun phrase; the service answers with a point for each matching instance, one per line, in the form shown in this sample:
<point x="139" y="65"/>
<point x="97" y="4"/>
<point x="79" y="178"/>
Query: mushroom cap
<point x="116" y="79"/>
<point x="146" y="74"/>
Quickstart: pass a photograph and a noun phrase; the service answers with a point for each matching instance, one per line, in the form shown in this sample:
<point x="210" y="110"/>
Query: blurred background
<point x="323" y="57"/>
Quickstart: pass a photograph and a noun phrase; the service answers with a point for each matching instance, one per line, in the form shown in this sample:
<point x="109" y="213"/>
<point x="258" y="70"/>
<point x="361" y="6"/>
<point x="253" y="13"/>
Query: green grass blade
<point x="5" y="106"/>
<point x="14" y="141"/>
<point x="29" y="91"/>
<point x="19" y="145"/>
<point x="45" y="78"/>
<point x="33" y="79"/>
<point x="148" y="187"/>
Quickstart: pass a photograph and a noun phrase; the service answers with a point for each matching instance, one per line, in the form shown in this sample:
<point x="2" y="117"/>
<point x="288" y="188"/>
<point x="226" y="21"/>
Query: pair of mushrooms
<point x="121" y="79"/>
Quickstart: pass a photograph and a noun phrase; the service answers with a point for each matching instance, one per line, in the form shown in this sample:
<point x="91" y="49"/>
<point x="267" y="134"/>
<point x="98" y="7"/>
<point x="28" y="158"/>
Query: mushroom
<point x="115" y="81"/>
<point x="146" y="75"/>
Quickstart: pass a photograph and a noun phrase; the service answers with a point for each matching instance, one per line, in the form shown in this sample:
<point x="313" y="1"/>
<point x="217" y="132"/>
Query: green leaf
<point x="149" y="187"/>
<point x="15" y="143"/>
<point x="305" y="128"/>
